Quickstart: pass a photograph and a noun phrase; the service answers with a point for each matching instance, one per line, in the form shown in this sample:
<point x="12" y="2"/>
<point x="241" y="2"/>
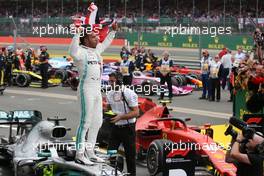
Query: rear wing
<point x="24" y="120"/>
<point x="20" y="117"/>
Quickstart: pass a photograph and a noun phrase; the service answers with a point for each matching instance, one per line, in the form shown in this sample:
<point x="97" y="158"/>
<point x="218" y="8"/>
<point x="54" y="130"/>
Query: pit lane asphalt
<point x="61" y="101"/>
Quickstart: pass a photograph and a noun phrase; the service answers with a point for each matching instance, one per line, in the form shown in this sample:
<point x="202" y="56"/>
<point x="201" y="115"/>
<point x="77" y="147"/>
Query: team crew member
<point x="16" y="60"/>
<point x="9" y="64"/>
<point x="141" y="59"/>
<point x="165" y="74"/>
<point x="2" y="67"/>
<point x="215" y="68"/>
<point x="44" y="66"/>
<point x="86" y="52"/>
<point x="227" y="66"/>
<point x="123" y="102"/>
<point x="205" y="61"/>
<point x="29" y="58"/>
<point x="126" y="68"/>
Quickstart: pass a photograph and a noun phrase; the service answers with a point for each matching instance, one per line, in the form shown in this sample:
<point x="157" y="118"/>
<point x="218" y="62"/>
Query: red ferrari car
<point x="158" y="134"/>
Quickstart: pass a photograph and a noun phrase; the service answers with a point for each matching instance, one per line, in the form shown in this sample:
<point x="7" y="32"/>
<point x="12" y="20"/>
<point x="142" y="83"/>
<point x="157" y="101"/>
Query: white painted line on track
<point x="201" y="112"/>
<point x="72" y="97"/>
<point x="42" y="94"/>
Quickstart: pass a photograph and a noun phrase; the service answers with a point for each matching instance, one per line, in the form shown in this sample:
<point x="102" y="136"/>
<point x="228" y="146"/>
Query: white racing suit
<point x="88" y="62"/>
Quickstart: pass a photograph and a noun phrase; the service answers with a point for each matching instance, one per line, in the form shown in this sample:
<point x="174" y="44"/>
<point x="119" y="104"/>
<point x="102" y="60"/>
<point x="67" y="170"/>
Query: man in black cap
<point x="44" y="66"/>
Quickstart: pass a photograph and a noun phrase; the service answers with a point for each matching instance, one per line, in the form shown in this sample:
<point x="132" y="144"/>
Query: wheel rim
<point x="152" y="160"/>
<point x="21" y="80"/>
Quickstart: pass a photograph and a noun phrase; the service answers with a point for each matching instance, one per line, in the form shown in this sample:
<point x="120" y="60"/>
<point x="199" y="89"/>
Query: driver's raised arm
<point x="74" y="47"/>
<point x="106" y="43"/>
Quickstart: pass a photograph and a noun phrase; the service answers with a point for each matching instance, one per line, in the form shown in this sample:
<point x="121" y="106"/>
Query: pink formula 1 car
<point x="151" y="85"/>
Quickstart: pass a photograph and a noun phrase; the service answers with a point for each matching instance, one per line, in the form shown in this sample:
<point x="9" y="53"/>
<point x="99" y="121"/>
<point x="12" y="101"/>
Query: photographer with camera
<point x="251" y="162"/>
<point x="247" y="149"/>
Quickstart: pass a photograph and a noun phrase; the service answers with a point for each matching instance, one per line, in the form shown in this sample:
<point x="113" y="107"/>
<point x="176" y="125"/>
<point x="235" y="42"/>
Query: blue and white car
<point x="60" y="63"/>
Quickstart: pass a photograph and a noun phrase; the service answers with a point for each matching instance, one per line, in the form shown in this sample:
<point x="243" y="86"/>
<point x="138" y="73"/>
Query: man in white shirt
<point x="227" y="66"/>
<point x="123" y="102"/>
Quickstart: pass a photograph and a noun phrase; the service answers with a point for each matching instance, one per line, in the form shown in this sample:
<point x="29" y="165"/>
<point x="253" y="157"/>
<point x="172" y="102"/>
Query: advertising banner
<point x="191" y="41"/>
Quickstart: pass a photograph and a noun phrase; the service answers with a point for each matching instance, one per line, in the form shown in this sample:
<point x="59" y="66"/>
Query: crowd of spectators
<point x="170" y="12"/>
<point x="170" y="9"/>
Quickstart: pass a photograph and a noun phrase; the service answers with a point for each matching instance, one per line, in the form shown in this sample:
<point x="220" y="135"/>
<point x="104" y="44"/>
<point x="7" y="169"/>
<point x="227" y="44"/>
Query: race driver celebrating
<point x="86" y="52"/>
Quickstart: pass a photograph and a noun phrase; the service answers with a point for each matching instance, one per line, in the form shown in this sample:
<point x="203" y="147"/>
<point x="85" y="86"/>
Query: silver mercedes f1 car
<point x="39" y="147"/>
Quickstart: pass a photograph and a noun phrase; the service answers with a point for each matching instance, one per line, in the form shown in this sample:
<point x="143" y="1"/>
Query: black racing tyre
<point x="61" y="74"/>
<point x="74" y="82"/>
<point x="184" y="80"/>
<point x="156" y="156"/>
<point x="147" y="88"/>
<point x="22" y="80"/>
<point x="175" y="81"/>
<point x="179" y="80"/>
